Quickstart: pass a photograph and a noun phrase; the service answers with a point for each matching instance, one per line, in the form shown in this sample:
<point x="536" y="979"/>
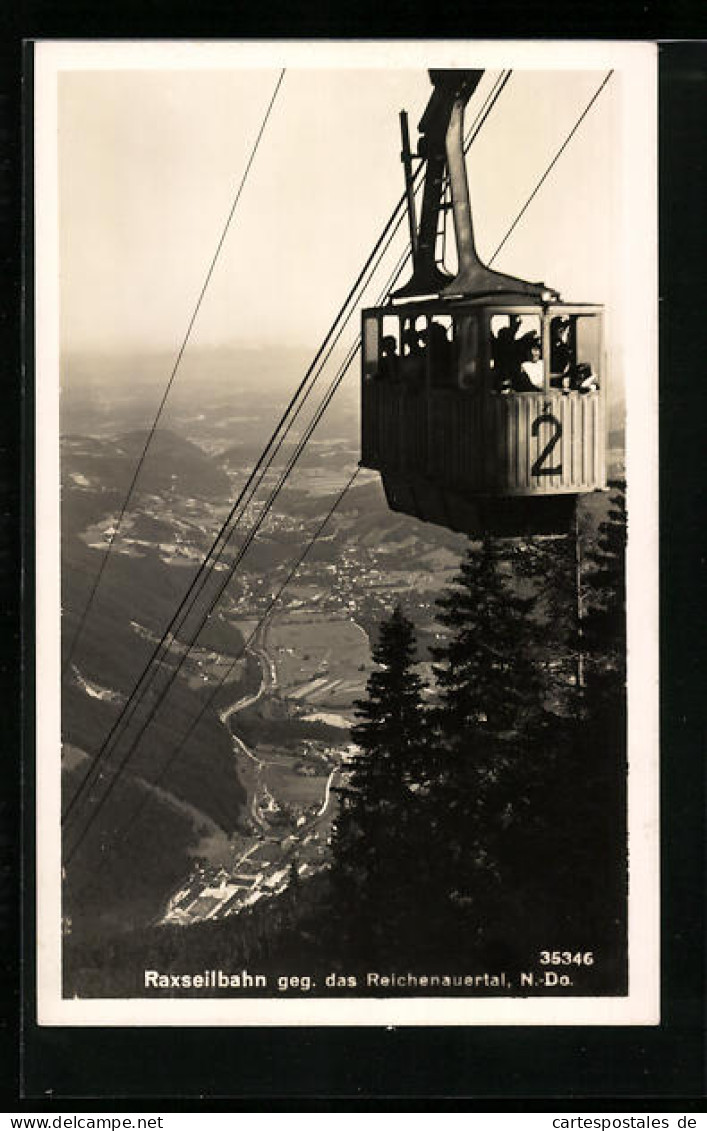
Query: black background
<point x="621" y="1069"/>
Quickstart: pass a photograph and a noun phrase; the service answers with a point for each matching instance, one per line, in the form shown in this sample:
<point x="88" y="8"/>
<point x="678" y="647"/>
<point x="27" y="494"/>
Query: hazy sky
<point x="149" y="161"/>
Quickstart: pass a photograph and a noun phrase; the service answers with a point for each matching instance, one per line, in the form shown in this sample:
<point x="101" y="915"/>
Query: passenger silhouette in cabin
<point x="440" y="350"/>
<point x="412" y="363"/>
<point x="389" y="362"/>
<point x="568" y="374"/>
<point x="506" y="353"/>
<point x="584" y="380"/>
<point x="561" y="354"/>
<point x="532" y="371"/>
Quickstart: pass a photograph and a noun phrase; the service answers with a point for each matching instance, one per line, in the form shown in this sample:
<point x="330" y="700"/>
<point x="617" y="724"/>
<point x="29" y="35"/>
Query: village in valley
<point x="309" y="650"/>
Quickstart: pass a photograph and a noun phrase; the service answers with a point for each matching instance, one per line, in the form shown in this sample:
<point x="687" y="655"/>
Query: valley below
<point x="226" y="793"/>
<point x="221" y="790"/>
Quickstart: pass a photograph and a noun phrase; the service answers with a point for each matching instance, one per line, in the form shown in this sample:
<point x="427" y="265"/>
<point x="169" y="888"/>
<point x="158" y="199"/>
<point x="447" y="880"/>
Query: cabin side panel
<point x="521" y="444"/>
<point x="527" y="444"/>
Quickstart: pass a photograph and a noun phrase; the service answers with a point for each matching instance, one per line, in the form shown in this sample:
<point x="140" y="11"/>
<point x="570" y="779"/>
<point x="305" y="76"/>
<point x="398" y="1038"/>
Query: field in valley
<point x="321" y="660"/>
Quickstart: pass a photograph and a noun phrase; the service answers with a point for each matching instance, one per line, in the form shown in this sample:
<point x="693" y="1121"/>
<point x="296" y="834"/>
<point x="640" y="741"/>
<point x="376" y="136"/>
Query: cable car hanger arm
<point x="441" y="143"/>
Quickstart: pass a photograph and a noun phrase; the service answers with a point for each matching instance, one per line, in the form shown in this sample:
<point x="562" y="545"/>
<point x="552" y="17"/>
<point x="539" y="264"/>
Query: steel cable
<point x="483" y="114"/>
<point x="170" y="382"/>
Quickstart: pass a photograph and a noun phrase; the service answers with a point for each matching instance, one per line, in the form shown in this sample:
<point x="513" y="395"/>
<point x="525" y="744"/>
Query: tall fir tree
<point x="550" y="568"/>
<point x="572" y="867"/>
<point x="542" y="852"/>
<point x="379" y="828"/>
<point x="602" y="736"/>
<point x="605" y="579"/>
<point x="491" y="729"/>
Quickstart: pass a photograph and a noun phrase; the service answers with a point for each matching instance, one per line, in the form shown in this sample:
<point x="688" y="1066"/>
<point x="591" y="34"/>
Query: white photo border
<point x="636" y="65"/>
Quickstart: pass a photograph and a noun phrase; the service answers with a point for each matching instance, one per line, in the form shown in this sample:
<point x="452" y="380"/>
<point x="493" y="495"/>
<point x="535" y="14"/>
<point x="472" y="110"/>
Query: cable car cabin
<point x="484" y="414"/>
<point x="482" y="393"/>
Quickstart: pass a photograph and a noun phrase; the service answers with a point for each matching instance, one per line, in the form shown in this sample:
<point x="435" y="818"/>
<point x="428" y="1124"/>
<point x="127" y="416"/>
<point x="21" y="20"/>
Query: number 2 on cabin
<point x="539" y="467"/>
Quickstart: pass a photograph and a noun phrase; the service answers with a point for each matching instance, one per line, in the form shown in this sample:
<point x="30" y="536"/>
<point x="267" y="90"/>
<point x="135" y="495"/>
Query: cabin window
<point x="575" y="345"/>
<point x="441" y="351"/>
<point x="413" y="352"/>
<point x="391" y="329"/>
<point x="588" y="334"/>
<point x="517" y="364"/>
<point x="371" y="342"/>
<point x="467" y="351"/>
<point x="388" y="359"/>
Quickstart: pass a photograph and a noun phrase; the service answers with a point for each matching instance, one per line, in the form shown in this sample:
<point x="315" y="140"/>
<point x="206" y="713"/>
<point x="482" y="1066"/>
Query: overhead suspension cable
<point x="220" y="543"/>
<point x="285" y="422"/>
<point x="180" y="354"/>
<point x="95" y="765"/>
<point x="264" y="462"/>
<point x="552" y="164"/>
<point x="473" y="133"/>
<point x="263" y="620"/>
<point x="276" y="597"/>
<point x="320" y="412"/>
<point x="214" y="601"/>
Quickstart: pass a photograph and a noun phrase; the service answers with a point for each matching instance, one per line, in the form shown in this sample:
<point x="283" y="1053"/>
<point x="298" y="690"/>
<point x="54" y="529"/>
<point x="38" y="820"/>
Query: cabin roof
<point x="505" y="303"/>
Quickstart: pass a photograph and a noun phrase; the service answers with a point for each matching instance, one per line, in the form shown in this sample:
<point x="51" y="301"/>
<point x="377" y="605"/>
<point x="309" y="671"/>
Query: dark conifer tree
<point x="572" y="869"/>
<point x="550" y="568"/>
<point x="542" y="851"/>
<point x="487" y="671"/>
<point x="376" y="840"/>
<point x="602" y="737"/>
<point x="605" y="622"/>
<point x="490" y="728"/>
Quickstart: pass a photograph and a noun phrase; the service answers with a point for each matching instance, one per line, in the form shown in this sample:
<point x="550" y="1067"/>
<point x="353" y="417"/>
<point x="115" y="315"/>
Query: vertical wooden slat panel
<point x="550" y="482"/>
<point x="558" y="452"/>
<point x="495" y="456"/>
<point x="473" y="430"/>
<point x="567" y="440"/>
<point x="491" y="446"/>
<point x="483" y="444"/>
<point x="581" y="432"/>
<point x="488" y="439"/>
<point x="586" y="422"/>
<point x="585" y="446"/>
<point x="574" y="424"/>
<point x="511" y="445"/>
<point x="554" y="458"/>
<point x="528" y="417"/>
<point x="476" y="431"/>
<point x="533" y="410"/>
<point x="518" y="454"/>
<point x="522" y="441"/>
<point x="459" y="413"/>
<point x="579" y="437"/>
<point x="499" y="476"/>
<point x="480" y="421"/>
<point x="512" y="468"/>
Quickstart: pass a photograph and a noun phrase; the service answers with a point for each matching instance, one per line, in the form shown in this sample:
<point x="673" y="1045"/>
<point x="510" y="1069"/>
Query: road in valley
<point x="250" y="775"/>
<point x="263" y="866"/>
<point x="327" y="792"/>
<point x="268" y="679"/>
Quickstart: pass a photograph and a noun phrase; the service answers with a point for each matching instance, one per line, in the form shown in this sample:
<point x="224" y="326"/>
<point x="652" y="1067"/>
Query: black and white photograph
<point x="347" y="646"/>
